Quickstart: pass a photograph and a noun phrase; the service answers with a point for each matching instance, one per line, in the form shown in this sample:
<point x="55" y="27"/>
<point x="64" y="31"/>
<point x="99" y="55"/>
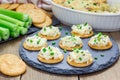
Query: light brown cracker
<point x="11" y="65"/>
<point x="69" y="48"/>
<point x="51" y="61"/>
<point x="24" y="7"/>
<point x="5" y="6"/>
<point x="47" y="22"/>
<point x="82" y="35"/>
<point x="33" y="48"/>
<point x="49" y="37"/>
<point x="101" y="47"/>
<point x="72" y="63"/>
<point x="13" y="6"/>
<point x="36" y="15"/>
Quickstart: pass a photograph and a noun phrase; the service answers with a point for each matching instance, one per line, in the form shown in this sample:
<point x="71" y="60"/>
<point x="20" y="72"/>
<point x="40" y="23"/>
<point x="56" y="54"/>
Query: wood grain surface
<point x="112" y="73"/>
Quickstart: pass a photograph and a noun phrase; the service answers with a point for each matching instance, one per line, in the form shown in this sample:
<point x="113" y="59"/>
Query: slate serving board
<point x="103" y="59"/>
<point x="34" y="29"/>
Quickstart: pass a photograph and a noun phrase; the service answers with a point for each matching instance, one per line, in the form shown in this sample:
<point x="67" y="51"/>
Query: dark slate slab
<point x="110" y="57"/>
<point x="34" y="29"/>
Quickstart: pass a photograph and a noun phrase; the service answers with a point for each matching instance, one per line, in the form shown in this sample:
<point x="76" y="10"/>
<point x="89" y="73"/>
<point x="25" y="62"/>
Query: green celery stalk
<point x="0" y="38"/>
<point x="4" y="33"/>
<point x="12" y="20"/>
<point x="8" y="25"/>
<point x="15" y="33"/>
<point x="28" y="23"/>
<point x="14" y="14"/>
<point x="23" y="30"/>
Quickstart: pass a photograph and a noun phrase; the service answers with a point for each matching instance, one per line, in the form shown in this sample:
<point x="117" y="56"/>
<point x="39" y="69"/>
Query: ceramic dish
<point x="99" y="21"/>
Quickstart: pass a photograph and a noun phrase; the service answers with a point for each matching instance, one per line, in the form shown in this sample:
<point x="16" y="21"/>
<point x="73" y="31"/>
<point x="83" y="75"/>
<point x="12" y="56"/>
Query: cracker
<point x="51" y="61"/>
<point x="36" y="15"/>
<point x="47" y="13"/>
<point x="72" y="63"/>
<point x="24" y="7"/>
<point x="69" y="48"/>
<point x="49" y="37"/>
<point x="47" y="22"/>
<point x="82" y="35"/>
<point x="5" y="6"/>
<point x="33" y="48"/>
<point x="13" y="6"/>
<point x="11" y="65"/>
<point x="101" y="47"/>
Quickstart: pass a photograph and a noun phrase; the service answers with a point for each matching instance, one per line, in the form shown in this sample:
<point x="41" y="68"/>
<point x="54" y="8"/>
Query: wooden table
<point x="113" y="73"/>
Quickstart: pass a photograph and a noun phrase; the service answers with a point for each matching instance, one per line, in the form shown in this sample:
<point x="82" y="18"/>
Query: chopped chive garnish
<point x="44" y="50"/>
<point x="65" y="51"/>
<point x="50" y="27"/>
<point x="80" y="58"/>
<point x="52" y="53"/>
<point x="66" y="33"/>
<point x="74" y="49"/>
<point x="60" y="28"/>
<point x="37" y="34"/>
<point x="94" y="4"/>
<point x="53" y="43"/>
<point x="31" y="41"/>
<point x="77" y="51"/>
<point x="72" y="8"/>
<point x="82" y="52"/>
<point x="79" y="48"/>
<point x="85" y="24"/>
<point x="102" y="55"/>
<point x="38" y="42"/>
<point x="95" y="58"/>
<point x="72" y="35"/>
<point x="44" y="29"/>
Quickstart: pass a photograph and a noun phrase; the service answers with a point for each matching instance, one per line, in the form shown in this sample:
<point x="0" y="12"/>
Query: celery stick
<point x="12" y="20"/>
<point x="4" y="33"/>
<point x="14" y="14"/>
<point x="28" y="23"/>
<point x="0" y="38"/>
<point x="15" y="33"/>
<point x="23" y="30"/>
<point x="8" y="25"/>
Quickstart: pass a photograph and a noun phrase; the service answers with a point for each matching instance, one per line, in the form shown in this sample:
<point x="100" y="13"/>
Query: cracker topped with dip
<point x="34" y="43"/>
<point x="70" y="42"/>
<point x="100" y="42"/>
<point x="50" y="33"/>
<point x="50" y="55"/>
<point x="79" y="58"/>
<point x="82" y="30"/>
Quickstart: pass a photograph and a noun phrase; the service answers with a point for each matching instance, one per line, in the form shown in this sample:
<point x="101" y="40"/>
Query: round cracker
<point x="47" y="22"/>
<point x="5" y="6"/>
<point x="82" y="35"/>
<point x="36" y="15"/>
<point x="49" y="37"/>
<point x="51" y="61"/>
<point x="24" y="7"/>
<point x="47" y="13"/>
<point x="11" y="65"/>
<point x="33" y="48"/>
<point x="72" y="63"/>
<point x="101" y="47"/>
<point x="13" y="6"/>
<point x="69" y="48"/>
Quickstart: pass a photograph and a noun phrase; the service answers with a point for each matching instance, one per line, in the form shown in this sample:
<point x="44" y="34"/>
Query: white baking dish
<point x="99" y="21"/>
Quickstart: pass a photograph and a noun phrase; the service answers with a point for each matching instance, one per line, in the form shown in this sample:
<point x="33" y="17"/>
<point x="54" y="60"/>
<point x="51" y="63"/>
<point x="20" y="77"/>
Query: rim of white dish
<point x="83" y="12"/>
